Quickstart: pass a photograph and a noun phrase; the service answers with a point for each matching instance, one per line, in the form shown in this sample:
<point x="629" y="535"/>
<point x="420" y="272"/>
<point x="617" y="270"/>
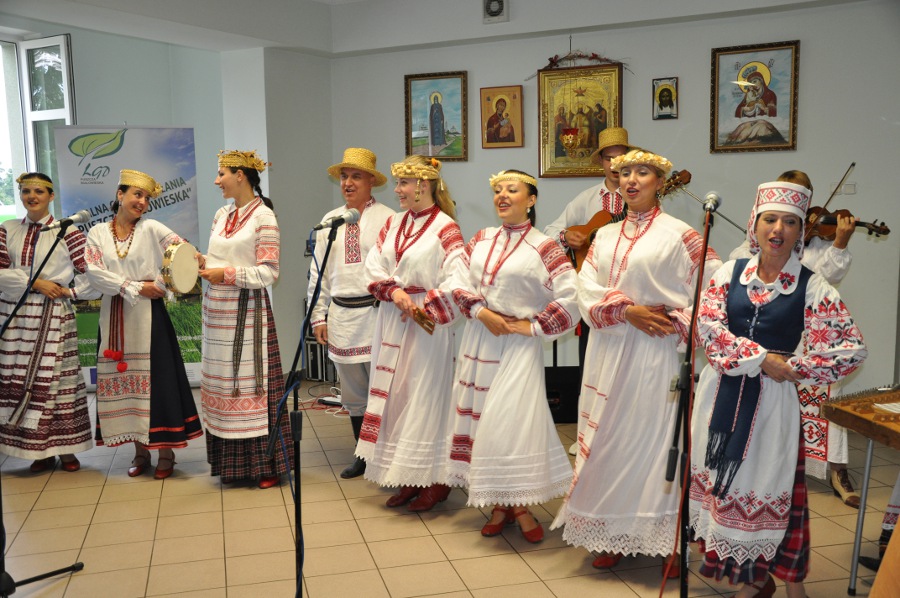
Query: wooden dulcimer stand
<point x="875" y="414"/>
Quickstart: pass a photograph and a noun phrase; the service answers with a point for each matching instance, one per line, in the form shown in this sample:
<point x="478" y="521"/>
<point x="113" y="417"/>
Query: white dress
<point x="404" y="436"/>
<point x="505" y="446"/>
<point x="620" y="501"/>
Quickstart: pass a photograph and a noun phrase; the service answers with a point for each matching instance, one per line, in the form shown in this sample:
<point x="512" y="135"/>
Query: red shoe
<point x="765" y="591"/>
<point x="533" y="535"/>
<point x="495" y="529"/>
<point x="606" y="561"/>
<point x="268" y="481"/>
<point x="406" y="494"/>
<point x="40" y="465"/>
<point x="138" y="464"/>
<point x="671" y="567"/>
<point x="429" y="497"/>
<point x="160" y="473"/>
<point x="72" y="465"/>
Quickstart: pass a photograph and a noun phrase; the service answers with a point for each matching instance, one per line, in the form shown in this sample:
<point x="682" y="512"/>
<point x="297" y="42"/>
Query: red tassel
<point x="108" y="353"/>
<point x="118" y="355"/>
<point x="121" y="366"/>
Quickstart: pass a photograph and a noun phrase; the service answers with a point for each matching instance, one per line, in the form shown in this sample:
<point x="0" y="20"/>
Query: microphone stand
<point x="7" y="584"/>
<point x="294" y="378"/>
<point x="685" y="384"/>
<point x="705" y="206"/>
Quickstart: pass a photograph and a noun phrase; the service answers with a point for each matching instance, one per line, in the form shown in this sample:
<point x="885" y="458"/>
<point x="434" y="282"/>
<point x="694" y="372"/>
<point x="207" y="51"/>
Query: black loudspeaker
<point x="563" y="387"/>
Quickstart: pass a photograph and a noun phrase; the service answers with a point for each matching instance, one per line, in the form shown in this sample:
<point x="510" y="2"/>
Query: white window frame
<point x="30" y="116"/>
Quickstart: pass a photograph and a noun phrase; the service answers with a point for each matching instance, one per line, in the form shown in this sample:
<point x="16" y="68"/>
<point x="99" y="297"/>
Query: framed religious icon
<point x="501" y="117"/>
<point x="574" y="105"/>
<point x="753" y="98"/>
<point x="436" y="115"/>
<point x="665" y="98"/>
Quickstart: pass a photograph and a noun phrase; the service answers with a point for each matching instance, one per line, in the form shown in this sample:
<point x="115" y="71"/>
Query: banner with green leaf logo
<point x="89" y="159"/>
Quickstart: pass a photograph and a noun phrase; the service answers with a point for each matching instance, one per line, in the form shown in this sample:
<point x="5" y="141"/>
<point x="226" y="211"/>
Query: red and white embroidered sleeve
<point x="561" y="313"/>
<point x="833" y="344"/>
<point x="268" y="252"/>
<point x="610" y="310"/>
<point x="725" y="351"/>
<point x="462" y="292"/>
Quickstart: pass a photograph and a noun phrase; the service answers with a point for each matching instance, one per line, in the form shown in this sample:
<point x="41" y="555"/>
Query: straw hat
<point x="361" y="159"/>
<point x="608" y="138"/>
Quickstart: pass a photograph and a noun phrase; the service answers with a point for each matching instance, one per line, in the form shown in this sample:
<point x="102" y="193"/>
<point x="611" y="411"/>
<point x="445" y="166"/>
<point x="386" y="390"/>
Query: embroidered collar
<point x="45" y="220"/>
<point x="426" y="212"/>
<point x="610" y="201"/>
<point x="784" y="284"/>
<point x="243" y="209"/>
<point x="517" y="228"/>
<point x="641" y="217"/>
<point x="369" y="203"/>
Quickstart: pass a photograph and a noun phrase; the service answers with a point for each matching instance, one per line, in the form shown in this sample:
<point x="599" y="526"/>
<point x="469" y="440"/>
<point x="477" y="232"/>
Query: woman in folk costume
<point x="143" y="394"/>
<point x="635" y="289"/>
<point x="766" y="323"/>
<point x="43" y="403"/>
<point x="826" y="442"/>
<point x="242" y="380"/>
<point x="404" y="436"/>
<point x="517" y="288"/>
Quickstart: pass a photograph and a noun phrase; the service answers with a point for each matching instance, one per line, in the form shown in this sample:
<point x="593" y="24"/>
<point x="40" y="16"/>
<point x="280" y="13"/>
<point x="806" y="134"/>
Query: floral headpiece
<point x="641" y="156"/>
<point x="429" y="171"/>
<point x="141" y="180"/>
<point x="506" y="175"/>
<point x="24" y="180"/>
<point x="236" y="159"/>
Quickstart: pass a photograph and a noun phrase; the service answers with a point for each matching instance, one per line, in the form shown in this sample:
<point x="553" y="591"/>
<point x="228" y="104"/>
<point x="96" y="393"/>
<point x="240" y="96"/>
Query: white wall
<point x="298" y="105"/>
<point x="847" y="92"/>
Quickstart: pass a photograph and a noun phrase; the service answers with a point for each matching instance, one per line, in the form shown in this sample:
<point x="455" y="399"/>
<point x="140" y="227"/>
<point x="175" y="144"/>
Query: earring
<point x="418" y="183"/>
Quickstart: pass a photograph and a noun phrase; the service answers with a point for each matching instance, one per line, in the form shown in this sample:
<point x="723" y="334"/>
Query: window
<point x="38" y="95"/>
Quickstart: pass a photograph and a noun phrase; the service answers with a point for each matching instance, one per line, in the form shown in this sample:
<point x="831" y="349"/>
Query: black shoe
<point x="356" y="469"/>
<point x="869" y="562"/>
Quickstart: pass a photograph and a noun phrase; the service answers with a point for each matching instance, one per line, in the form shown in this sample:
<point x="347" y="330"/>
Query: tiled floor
<point x="190" y="536"/>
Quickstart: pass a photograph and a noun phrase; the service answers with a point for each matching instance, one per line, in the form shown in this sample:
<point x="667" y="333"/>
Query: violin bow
<point x="839" y="185"/>
<point x="814" y="218"/>
<point x="701" y="202"/>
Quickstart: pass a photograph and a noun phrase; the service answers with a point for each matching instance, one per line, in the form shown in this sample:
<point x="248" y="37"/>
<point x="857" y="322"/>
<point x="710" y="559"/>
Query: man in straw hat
<point x="343" y="318"/>
<point x="611" y="143"/>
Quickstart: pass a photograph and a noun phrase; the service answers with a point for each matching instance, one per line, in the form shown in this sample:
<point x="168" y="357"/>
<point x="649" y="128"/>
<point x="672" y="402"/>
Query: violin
<point x="823" y="224"/>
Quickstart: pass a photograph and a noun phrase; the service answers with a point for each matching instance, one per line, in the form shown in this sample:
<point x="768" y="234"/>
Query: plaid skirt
<point x="245" y="458"/>
<point x="791" y="562"/>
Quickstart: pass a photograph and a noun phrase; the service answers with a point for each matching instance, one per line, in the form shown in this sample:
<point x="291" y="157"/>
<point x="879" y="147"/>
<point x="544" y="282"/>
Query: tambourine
<point x="180" y="268"/>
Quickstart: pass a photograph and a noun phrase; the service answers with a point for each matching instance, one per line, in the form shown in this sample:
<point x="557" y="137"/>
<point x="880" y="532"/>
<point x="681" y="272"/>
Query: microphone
<point x="348" y="217"/>
<point x="76" y="218"/>
<point x="712" y="201"/>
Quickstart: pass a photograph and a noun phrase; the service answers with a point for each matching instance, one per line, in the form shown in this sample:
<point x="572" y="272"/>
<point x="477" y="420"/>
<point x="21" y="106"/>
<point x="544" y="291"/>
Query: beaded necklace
<point x="129" y="239"/>
<point x="509" y="230"/>
<point x="409" y="238"/>
<point x="632" y="241"/>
